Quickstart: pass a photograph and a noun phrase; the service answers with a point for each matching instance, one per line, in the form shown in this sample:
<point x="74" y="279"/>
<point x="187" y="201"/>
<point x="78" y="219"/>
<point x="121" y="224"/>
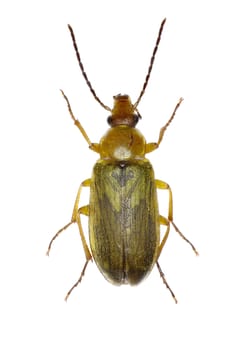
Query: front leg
<point x="150" y="147"/>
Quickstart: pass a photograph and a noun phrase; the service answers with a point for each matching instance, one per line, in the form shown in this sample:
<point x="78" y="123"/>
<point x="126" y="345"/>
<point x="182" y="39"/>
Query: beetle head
<point x="123" y="112"/>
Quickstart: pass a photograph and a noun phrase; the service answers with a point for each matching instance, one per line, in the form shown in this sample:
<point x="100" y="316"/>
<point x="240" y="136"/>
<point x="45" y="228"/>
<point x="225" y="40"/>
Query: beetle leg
<point x="165" y="222"/>
<point x="85" y="211"/>
<point x="76" y="218"/>
<point x="161" y="185"/>
<point x="150" y="147"/>
<point x="56" y="235"/>
<point x="162" y="275"/>
<point x="78" y="281"/>
<point x="164" y="186"/>
<point x="93" y="146"/>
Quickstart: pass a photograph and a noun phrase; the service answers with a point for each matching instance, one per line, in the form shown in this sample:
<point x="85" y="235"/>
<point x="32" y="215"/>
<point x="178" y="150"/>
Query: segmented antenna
<point x="83" y="71"/>
<point x="151" y="64"/>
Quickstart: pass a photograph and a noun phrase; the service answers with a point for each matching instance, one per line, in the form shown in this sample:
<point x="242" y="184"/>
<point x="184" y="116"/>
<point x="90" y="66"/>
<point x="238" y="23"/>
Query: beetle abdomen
<point x="124" y="220"/>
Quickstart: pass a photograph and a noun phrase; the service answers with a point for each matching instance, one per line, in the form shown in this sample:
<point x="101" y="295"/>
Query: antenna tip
<point x="70" y="28"/>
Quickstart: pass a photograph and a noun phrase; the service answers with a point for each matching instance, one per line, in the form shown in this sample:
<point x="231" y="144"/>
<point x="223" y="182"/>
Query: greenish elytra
<point x="123" y="177"/>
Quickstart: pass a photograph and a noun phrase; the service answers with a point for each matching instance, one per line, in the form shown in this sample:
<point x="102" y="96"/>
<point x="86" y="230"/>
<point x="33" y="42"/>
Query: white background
<point x="44" y="158"/>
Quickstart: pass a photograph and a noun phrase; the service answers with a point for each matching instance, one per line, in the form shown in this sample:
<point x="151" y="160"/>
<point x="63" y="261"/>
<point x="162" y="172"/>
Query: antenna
<point x="83" y="71"/>
<point x="151" y="64"/>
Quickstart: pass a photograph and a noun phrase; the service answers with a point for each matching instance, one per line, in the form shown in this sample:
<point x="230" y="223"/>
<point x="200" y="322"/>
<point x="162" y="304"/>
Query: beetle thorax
<point x="122" y="143"/>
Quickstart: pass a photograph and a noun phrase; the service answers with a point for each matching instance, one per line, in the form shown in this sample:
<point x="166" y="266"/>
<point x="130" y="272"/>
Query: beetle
<point x="124" y="219"/>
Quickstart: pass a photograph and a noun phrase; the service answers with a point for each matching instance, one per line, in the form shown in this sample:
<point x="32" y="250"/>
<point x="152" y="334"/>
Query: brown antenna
<point x="83" y="71"/>
<point x="151" y="64"/>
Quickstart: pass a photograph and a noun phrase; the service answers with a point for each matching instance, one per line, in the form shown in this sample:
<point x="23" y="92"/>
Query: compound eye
<point x="136" y="118"/>
<point x="109" y="120"/>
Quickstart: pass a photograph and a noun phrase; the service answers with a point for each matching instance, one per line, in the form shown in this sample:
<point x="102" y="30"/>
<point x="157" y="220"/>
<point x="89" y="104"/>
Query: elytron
<point x="124" y="219"/>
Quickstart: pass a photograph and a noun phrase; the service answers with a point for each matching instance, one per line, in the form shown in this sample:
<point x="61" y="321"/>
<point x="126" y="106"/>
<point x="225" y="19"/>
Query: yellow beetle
<point x="124" y="219"/>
